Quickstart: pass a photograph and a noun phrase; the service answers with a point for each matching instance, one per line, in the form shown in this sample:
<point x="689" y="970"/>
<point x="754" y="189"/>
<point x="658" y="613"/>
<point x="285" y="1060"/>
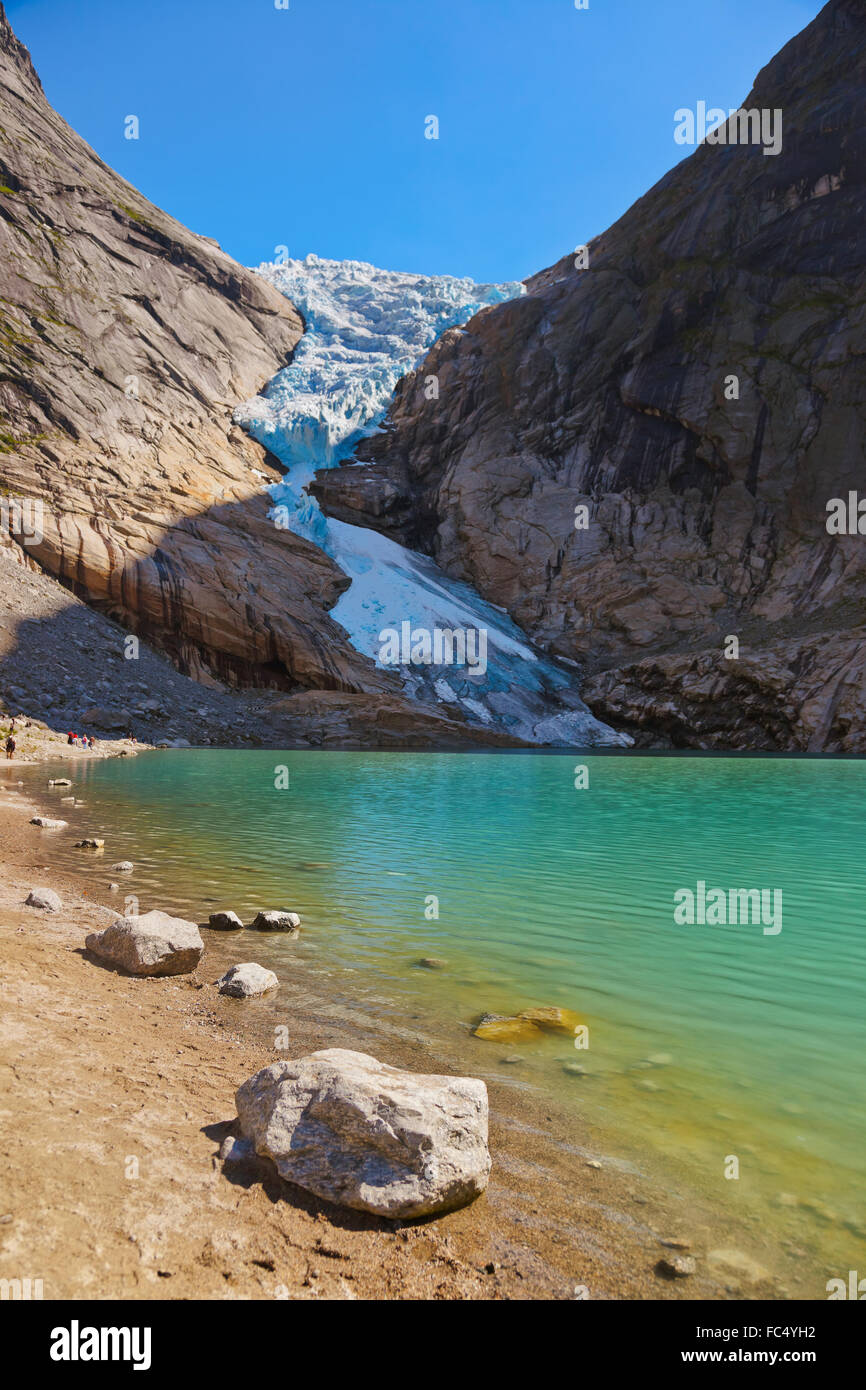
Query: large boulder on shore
<point x="244" y="981"/>
<point x="364" y="1135"/>
<point x="153" y="944"/>
<point x="44" y="898"/>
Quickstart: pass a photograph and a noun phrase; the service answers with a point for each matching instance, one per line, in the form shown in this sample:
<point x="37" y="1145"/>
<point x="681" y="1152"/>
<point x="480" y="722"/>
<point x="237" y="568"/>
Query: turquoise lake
<point x="705" y="1042"/>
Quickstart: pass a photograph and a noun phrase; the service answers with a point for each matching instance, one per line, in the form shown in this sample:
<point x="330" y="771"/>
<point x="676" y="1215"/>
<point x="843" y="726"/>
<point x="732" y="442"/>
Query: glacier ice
<point x="364" y="329"/>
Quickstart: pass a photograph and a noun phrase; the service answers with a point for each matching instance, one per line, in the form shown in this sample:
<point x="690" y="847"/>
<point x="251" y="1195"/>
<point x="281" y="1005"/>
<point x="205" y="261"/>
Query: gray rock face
<point x="44" y="898"/>
<point x="364" y="1135"/>
<point x="244" y="981"/>
<point x="153" y="944"/>
<point x="277" y="921"/>
<point x="99" y="718"/>
<point x="225" y="921"/>
<point x="610" y="388"/>
<point x="127" y="342"/>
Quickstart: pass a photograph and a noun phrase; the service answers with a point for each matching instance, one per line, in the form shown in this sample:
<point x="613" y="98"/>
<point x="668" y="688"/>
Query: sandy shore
<point x="118" y="1093"/>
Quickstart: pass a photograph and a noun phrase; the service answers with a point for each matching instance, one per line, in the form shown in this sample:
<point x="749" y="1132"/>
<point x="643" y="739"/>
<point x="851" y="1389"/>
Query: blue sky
<point x="305" y="127"/>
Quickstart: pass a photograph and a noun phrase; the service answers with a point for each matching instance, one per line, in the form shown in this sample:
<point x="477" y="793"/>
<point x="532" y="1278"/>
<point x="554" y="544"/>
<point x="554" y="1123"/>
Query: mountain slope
<point x="607" y="387"/>
<point x="125" y="343"/>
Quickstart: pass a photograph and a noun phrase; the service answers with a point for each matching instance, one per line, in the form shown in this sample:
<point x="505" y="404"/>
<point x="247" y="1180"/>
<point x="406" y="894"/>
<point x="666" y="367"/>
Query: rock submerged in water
<point x="552" y="1020"/>
<point x="44" y="898"/>
<point x="356" y="1132"/>
<point x="90" y="844"/>
<point x="225" y="921"/>
<point x="47" y="823"/>
<point x="124" y="866"/>
<point x="244" y="981"/>
<point x="153" y="944"/>
<point x="502" y="1028"/>
<point x="276" y="920"/>
<point x="528" y="1024"/>
<point x="432" y="963"/>
<point x="60" y="781"/>
<point x="736" y="1264"/>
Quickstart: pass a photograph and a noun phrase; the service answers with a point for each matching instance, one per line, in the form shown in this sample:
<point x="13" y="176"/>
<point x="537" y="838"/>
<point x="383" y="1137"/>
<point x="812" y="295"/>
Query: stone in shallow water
<point x="44" y="898"/>
<point x="274" y="920"/>
<point x="47" y="823"/>
<point x="495" y="1028"/>
<point x="124" y="866"/>
<point x="552" y="1020"/>
<point x="737" y="1263"/>
<point x="244" y="981"/>
<point x="153" y="944"/>
<point x="225" y="921"/>
<point x="90" y="844"/>
<point x="365" y="1135"/>
<point x="432" y="963"/>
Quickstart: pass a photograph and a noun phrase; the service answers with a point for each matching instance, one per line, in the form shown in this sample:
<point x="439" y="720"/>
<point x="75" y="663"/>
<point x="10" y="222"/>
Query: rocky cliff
<point x="610" y="388"/>
<point x="125" y="343"/>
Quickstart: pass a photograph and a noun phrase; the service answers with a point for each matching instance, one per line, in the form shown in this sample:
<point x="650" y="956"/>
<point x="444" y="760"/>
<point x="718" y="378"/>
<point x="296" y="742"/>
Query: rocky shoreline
<point x="106" y="1067"/>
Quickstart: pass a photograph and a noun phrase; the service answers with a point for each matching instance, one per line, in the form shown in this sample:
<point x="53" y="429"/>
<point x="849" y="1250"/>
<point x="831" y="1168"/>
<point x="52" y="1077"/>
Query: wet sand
<point x="119" y="1091"/>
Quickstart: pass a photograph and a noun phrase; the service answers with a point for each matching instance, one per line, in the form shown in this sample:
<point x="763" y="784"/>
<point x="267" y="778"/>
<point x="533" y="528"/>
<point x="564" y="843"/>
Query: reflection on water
<point x="705" y="1041"/>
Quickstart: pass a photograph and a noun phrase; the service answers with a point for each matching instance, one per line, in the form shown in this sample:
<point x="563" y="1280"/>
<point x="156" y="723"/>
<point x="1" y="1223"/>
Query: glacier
<point x="364" y="329"/>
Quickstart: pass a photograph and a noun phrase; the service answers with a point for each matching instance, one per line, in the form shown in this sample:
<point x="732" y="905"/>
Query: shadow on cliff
<point x="223" y="611"/>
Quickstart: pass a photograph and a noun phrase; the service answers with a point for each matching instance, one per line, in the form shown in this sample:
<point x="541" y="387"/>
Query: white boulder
<point x="364" y="1135"/>
<point x="44" y="898"/>
<point x="47" y="823"/>
<point x="153" y="944"/>
<point x="277" y="921"/>
<point x="243" y="981"/>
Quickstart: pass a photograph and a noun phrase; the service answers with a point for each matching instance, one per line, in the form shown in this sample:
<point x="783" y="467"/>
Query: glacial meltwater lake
<point x="706" y="1043"/>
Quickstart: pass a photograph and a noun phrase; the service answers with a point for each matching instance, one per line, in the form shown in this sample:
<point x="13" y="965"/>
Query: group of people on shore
<point x="74" y="740"/>
<point x="81" y="740"/>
